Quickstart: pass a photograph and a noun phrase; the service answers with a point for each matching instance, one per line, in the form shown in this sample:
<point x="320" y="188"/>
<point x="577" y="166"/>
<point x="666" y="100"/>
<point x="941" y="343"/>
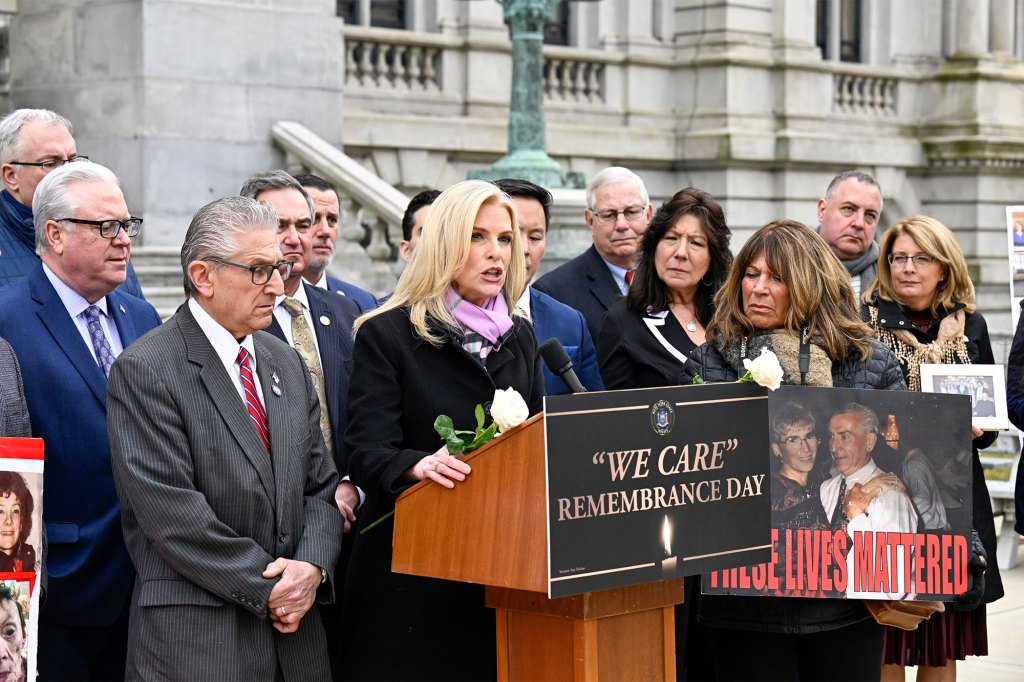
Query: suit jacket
<point x="89" y="569"/>
<point x="584" y="283"/>
<point x="206" y="508"/>
<point x="552" y="319"/>
<point x="363" y="298"/>
<point x="14" y="421"/>
<point x="397" y="625"/>
<point x="641" y="350"/>
<point x="334" y="338"/>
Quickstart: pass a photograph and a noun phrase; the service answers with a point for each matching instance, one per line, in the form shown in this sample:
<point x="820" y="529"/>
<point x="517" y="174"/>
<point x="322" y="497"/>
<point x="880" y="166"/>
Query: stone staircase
<point x="159" y="271"/>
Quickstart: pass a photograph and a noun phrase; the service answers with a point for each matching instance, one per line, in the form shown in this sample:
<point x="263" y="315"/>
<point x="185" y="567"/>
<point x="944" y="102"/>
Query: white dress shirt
<point x="226" y="347"/>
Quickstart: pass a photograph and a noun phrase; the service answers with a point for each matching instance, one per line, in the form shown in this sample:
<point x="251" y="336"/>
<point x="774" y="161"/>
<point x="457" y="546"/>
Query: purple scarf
<point x="490" y="321"/>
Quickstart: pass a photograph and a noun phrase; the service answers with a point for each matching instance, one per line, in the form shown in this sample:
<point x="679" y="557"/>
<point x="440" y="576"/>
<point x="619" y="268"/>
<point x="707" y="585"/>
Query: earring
<point x="707" y="284"/>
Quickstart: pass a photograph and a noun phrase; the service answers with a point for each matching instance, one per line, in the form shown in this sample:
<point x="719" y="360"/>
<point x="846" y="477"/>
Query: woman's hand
<point x="976" y="432"/>
<point x="440" y="467"/>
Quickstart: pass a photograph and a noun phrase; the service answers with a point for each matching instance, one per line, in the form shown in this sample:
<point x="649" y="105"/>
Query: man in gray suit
<point x="13" y="409"/>
<point x="226" y="486"/>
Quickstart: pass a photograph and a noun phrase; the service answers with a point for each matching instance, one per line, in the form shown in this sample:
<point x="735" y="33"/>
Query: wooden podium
<point x="492" y="530"/>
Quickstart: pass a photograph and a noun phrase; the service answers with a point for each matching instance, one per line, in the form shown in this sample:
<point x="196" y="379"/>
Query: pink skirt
<point x="952" y="635"/>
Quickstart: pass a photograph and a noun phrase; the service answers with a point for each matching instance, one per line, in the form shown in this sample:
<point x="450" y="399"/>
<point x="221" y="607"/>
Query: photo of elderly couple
<point x="870" y="497"/>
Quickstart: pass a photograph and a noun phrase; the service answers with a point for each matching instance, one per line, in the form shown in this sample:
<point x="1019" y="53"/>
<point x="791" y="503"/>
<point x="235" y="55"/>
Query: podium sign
<point x="653" y="484"/>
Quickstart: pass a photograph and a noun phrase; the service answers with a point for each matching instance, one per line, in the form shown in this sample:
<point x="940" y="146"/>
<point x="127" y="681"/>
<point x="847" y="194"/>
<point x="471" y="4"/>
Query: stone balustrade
<point x="573" y="78"/>
<point x="864" y="94"/>
<point x="394" y="60"/>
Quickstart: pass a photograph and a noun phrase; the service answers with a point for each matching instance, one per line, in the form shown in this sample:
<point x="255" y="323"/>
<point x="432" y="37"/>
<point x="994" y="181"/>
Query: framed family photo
<point x="983" y="384"/>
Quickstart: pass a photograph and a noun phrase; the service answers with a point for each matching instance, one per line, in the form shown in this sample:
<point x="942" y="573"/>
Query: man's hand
<point x="294" y="593"/>
<point x="347" y="498"/>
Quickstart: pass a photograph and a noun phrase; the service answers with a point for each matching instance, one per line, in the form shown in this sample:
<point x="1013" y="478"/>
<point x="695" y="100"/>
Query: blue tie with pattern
<point x="104" y="354"/>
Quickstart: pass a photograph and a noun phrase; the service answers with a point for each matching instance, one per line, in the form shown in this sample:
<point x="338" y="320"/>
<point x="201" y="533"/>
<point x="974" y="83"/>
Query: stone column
<point x="177" y="96"/>
<point x="1001" y="24"/>
<point x="972" y="28"/>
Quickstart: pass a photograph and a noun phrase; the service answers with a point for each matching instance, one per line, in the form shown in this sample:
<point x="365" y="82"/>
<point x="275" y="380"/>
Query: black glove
<point x="977" y="564"/>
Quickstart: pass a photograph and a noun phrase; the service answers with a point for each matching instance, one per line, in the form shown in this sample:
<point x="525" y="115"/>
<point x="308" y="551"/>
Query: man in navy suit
<point x="67" y="322"/>
<point x="326" y="345"/>
<point x="33" y="142"/>
<point x="618" y="210"/>
<point x="550" y="318"/>
<point x="324" y="238"/>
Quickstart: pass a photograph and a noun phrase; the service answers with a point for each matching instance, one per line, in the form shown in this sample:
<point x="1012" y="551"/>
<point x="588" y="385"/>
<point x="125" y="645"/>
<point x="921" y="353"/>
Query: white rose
<point x="508" y="409"/>
<point x="765" y="370"/>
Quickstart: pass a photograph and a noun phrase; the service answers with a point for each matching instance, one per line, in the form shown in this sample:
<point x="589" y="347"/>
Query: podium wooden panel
<point x="492" y="530"/>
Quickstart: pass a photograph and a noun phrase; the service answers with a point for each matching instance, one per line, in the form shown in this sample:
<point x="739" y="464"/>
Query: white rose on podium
<point x="508" y="409"/>
<point x="765" y="370"/>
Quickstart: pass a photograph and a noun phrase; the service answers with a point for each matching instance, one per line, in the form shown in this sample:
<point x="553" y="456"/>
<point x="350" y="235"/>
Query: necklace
<point x="691" y="325"/>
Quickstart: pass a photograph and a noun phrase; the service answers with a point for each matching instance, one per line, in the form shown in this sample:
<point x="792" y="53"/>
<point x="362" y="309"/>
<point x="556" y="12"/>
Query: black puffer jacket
<point x="880" y="370"/>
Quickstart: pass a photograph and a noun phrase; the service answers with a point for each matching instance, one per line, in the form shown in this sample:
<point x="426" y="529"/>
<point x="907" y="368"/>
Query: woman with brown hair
<point x="788" y="292"/>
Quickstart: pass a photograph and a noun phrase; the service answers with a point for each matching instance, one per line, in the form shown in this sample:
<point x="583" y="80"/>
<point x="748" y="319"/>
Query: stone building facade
<point x="759" y="102"/>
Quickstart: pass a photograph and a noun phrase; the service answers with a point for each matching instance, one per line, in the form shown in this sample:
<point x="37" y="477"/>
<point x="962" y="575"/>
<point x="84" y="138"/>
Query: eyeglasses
<point x="630" y="213"/>
<point x="809" y="440"/>
<point x="921" y="260"/>
<point x="109" y="228"/>
<point x="261" y="274"/>
<point x="49" y="164"/>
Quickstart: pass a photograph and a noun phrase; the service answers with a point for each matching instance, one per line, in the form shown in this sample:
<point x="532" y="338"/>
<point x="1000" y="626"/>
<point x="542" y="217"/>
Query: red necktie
<point x="252" y="398"/>
<point x="629" y="277"/>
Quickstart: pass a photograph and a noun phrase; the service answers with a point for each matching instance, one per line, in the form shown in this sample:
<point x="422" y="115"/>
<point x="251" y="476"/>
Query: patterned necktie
<point x="104" y="354"/>
<point x="302" y="339"/>
<point x="252" y="399"/>
<point x="839" y="518"/>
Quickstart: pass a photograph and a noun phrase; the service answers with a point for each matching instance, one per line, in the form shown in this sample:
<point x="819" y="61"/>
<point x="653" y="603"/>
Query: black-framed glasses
<point x="921" y="260"/>
<point x="810" y="440"/>
<point x="109" y="228"/>
<point x="261" y="274"/>
<point x="49" y="164"/>
<point x="630" y="213"/>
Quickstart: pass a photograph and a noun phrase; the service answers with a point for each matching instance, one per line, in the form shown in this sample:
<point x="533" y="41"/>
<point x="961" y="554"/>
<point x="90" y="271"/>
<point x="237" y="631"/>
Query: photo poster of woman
<point x="1015" y="241"/>
<point x="870" y="497"/>
<point x="21" y="528"/>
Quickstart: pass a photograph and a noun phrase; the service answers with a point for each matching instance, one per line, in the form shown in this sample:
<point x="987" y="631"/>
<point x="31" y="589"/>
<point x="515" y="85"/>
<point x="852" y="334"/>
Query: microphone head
<point x="554" y="354"/>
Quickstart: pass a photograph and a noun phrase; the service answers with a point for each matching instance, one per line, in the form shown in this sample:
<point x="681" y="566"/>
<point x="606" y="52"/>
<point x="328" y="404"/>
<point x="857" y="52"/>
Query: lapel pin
<point x="121" y="306"/>
<point x="324" y="320"/>
<point x="276" y="389"/>
<point x="274" y="377"/>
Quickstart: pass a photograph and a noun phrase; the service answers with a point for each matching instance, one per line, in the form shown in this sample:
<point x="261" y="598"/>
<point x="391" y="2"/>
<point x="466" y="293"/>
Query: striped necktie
<point x="252" y="398"/>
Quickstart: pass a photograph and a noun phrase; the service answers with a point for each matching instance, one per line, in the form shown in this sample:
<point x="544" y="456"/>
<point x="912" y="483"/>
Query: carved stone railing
<point x="394" y="60"/>
<point x="372" y="209"/>
<point x="865" y="94"/>
<point x="572" y="77"/>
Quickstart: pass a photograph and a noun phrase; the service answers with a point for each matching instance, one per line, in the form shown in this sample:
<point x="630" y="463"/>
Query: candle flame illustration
<point x="666" y="536"/>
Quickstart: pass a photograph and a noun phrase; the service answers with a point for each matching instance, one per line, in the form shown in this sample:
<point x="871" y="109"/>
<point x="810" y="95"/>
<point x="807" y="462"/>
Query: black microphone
<point x="558" y="362"/>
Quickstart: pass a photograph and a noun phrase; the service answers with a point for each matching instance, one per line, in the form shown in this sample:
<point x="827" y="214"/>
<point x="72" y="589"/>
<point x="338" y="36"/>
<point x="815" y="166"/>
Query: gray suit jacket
<point x="13" y="409"/>
<point x="205" y="508"/>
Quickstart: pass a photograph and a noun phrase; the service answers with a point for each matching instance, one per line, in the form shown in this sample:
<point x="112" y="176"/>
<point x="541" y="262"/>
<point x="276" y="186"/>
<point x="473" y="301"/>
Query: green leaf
<point x="483" y="438"/>
<point x="444" y="426"/>
<point x="747" y="378"/>
<point x="479" y="417"/>
<point x="697" y="380"/>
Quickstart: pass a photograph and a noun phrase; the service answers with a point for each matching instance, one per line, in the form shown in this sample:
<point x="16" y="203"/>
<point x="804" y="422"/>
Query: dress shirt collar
<point x="864" y="474"/>
<point x="322" y="282"/>
<point x="223" y="342"/>
<point x="619" y="275"/>
<point x="524" y="304"/>
<point x="300" y="296"/>
<point x="72" y="300"/>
